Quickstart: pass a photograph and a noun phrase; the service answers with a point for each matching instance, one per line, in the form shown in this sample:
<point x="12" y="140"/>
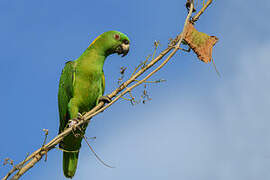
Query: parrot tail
<point x="70" y="160"/>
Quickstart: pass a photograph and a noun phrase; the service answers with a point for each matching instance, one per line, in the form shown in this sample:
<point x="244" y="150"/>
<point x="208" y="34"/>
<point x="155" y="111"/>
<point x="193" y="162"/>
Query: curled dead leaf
<point x="201" y="43"/>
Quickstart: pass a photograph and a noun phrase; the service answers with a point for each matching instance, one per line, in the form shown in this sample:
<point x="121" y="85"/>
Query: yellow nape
<point x="94" y="40"/>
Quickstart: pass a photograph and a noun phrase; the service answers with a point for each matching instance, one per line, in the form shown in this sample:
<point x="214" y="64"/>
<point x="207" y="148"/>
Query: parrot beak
<point x="125" y="48"/>
<point x="122" y="49"/>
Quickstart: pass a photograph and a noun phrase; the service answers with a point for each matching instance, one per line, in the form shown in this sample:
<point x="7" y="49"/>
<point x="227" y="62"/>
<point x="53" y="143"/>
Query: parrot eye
<point x="117" y="37"/>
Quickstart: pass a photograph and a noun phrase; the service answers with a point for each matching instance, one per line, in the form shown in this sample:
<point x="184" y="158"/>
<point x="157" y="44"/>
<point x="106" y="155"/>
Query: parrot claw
<point x="80" y="116"/>
<point x="72" y="122"/>
<point x="105" y="99"/>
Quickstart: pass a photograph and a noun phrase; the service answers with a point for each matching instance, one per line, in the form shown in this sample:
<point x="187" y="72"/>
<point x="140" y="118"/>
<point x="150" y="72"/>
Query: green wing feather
<point x="65" y="93"/>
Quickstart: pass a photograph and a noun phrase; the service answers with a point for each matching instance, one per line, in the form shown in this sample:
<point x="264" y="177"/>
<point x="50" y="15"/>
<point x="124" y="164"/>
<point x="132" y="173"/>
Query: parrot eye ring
<point x="117" y="36"/>
<point x="126" y="41"/>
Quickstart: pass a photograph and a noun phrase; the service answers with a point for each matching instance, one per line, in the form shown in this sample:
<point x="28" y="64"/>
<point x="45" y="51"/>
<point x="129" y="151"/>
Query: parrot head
<point x="123" y="44"/>
<point x="112" y="42"/>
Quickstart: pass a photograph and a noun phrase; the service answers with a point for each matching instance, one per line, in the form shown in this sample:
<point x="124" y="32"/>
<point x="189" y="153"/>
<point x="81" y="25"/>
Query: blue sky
<point x="197" y="126"/>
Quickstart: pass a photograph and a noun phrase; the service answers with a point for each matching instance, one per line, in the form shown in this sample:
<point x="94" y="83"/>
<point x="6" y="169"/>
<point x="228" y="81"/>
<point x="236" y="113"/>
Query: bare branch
<point x="197" y="16"/>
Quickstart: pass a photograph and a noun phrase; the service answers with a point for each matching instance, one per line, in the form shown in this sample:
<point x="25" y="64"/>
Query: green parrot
<point x="81" y="87"/>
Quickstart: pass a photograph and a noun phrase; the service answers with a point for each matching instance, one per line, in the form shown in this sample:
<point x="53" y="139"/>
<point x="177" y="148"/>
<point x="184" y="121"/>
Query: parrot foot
<point x="72" y="122"/>
<point x="105" y="99"/>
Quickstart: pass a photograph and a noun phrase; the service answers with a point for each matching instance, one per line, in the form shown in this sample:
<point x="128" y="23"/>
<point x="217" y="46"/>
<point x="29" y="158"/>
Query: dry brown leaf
<point x="200" y="43"/>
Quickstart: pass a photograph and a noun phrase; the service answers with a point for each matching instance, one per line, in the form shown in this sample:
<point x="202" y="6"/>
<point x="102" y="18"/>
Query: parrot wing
<point x="65" y="93"/>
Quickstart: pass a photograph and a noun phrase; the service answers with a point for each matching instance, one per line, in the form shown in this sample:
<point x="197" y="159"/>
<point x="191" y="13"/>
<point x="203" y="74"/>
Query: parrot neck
<point x="101" y="47"/>
<point x="91" y="60"/>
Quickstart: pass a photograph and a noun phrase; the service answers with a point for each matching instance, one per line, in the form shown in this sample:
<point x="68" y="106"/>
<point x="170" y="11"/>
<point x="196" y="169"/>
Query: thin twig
<point x="186" y="50"/>
<point x="214" y="64"/>
<point x="126" y="99"/>
<point x="197" y="16"/>
<point x="157" y="81"/>
<point x="46" y="136"/>
<point x="95" y="154"/>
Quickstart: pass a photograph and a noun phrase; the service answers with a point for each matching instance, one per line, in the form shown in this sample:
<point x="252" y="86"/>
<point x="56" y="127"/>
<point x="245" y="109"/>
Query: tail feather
<point x="70" y="160"/>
